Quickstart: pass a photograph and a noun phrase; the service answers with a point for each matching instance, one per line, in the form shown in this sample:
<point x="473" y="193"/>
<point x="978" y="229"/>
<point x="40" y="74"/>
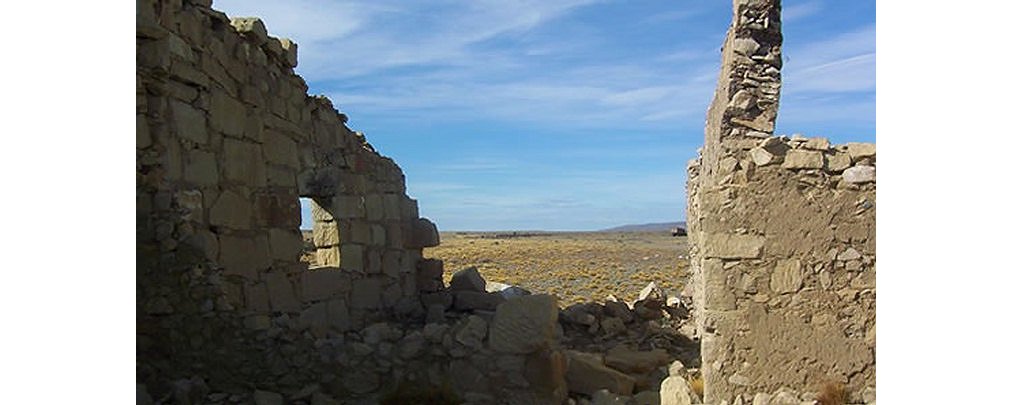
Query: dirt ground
<point x="576" y="267"/>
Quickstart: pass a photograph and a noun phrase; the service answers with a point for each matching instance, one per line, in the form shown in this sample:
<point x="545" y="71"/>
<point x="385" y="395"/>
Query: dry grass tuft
<point x="696" y="383"/>
<point x="832" y="393"/>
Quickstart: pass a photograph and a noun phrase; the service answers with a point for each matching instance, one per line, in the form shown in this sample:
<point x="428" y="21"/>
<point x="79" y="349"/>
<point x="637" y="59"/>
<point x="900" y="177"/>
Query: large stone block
<point x="227" y="114"/>
<point x="524" y="324"/>
<point x="285" y="244"/>
<point x="240" y="255"/>
<point x="188" y="122"/>
<point x="803" y="159"/>
<point x="328" y="256"/>
<point x="251" y="28"/>
<point x="323" y="283"/>
<point x="290" y="52"/>
<point x="201" y="168"/>
<point x="281" y="292"/>
<point x="860" y="150"/>
<point x="352" y="257"/>
<point x="732" y="246"/>
<point x="244" y="163"/>
<point x="420" y="233"/>
<point x="374" y="209"/>
<point x="277" y="210"/>
<point x="366" y="293"/>
<point x="859" y="174"/>
<point x="326" y="234"/>
<point x="280" y="149"/>
<point x="349" y="207"/>
<point x="587" y="374"/>
<point x="391" y="206"/>
<point x="231" y="210"/>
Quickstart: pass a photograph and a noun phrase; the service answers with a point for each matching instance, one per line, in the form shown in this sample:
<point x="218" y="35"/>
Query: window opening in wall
<point x="306" y="228"/>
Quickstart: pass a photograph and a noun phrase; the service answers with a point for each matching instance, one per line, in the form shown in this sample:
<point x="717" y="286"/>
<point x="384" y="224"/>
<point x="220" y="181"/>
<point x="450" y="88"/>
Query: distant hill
<point x="657" y="227"/>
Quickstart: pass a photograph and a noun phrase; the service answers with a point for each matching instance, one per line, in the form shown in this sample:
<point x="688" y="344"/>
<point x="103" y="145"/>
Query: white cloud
<point x="844" y="63"/>
<point x="796" y="12"/>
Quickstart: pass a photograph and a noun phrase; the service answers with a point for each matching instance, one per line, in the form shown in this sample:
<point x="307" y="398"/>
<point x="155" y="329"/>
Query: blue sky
<point x="560" y="115"/>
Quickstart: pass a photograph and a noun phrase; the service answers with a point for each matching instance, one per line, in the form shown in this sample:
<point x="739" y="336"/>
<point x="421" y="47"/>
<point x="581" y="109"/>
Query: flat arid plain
<point x="574" y="266"/>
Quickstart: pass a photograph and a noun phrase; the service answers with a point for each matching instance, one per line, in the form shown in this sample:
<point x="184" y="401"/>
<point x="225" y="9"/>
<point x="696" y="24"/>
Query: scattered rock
<point x="675" y="391"/>
<point x="630" y="361"/>
<point x="524" y="324"/>
<point x="476" y="300"/>
<point x="587" y="374"/>
<point x="467" y="280"/>
<point x="619" y="310"/>
<point x="859" y="174"/>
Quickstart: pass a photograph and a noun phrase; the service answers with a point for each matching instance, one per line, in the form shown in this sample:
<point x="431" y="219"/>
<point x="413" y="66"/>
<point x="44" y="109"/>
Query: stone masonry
<point x="782" y="234"/>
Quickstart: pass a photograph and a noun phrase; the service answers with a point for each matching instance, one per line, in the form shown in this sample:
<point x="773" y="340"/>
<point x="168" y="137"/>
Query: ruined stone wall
<point x="782" y="235"/>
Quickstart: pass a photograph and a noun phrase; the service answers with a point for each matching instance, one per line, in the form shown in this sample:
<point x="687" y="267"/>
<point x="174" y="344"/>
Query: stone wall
<point x="783" y="237"/>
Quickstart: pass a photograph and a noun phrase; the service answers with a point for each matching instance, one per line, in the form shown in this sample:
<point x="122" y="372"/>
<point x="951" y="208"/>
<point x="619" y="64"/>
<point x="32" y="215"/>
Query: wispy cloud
<point x="798" y="11"/>
<point x="842" y="63"/>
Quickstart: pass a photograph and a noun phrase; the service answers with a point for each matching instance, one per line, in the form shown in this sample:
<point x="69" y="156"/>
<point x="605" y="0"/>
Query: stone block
<point x="281" y="176"/>
<point x="352" y="257"/>
<point x="290" y="52"/>
<point x="391" y="206"/>
<point x="227" y="114"/>
<point x="201" y="168"/>
<point x="392" y="263"/>
<point x="762" y="157"/>
<point x="323" y="283"/>
<point x="476" y="300"/>
<point x="257" y="299"/>
<point x="719" y="296"/>
<point x="320" y="182"/>
<point x="231" y="210"/>
<point x="859" y="174"/>
<point x="676" y="391"/>
<point x="837" y="162"/>
<point x="860" y="150"/>
<point x="318" y="212"/>
<point x="587" y="374"/>
<point x="366" y="293"/>
<point x="338" y="317"/>
<point x="420" y="233"/>
<point x="277" y="210"/>
<point x="374" y="261"/>
<point x="803" y="159"/>
<point x="430" y="268"/>
<point x="377" y="235"/>
<point x="244" y="163"/>
<point x="188" y="122"/>
<point x="524" y="324"/>
<point x="326" y="234"/>
<point x="328" y="256"/>
<point x="285" y="244"/>
<point x="409" y="208"/>
<point x="280" y="149"/>
<point x="251" y="28"/>
<point x="374" y="209"/>
<point x="816" y="144"/>
<point x="787" y="276"/>
<point x="732" y="246"/>
<point x="395" y="235"/>
<point x="349" y="207"/>
<point x="360" y="232"/>
<point x="467" y="280"/>
<point x="281" y="292"/>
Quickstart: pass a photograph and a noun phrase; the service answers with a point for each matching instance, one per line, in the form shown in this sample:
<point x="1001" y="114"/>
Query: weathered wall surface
<point x="783" y="237"/>
<point x="227" y="141"/>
